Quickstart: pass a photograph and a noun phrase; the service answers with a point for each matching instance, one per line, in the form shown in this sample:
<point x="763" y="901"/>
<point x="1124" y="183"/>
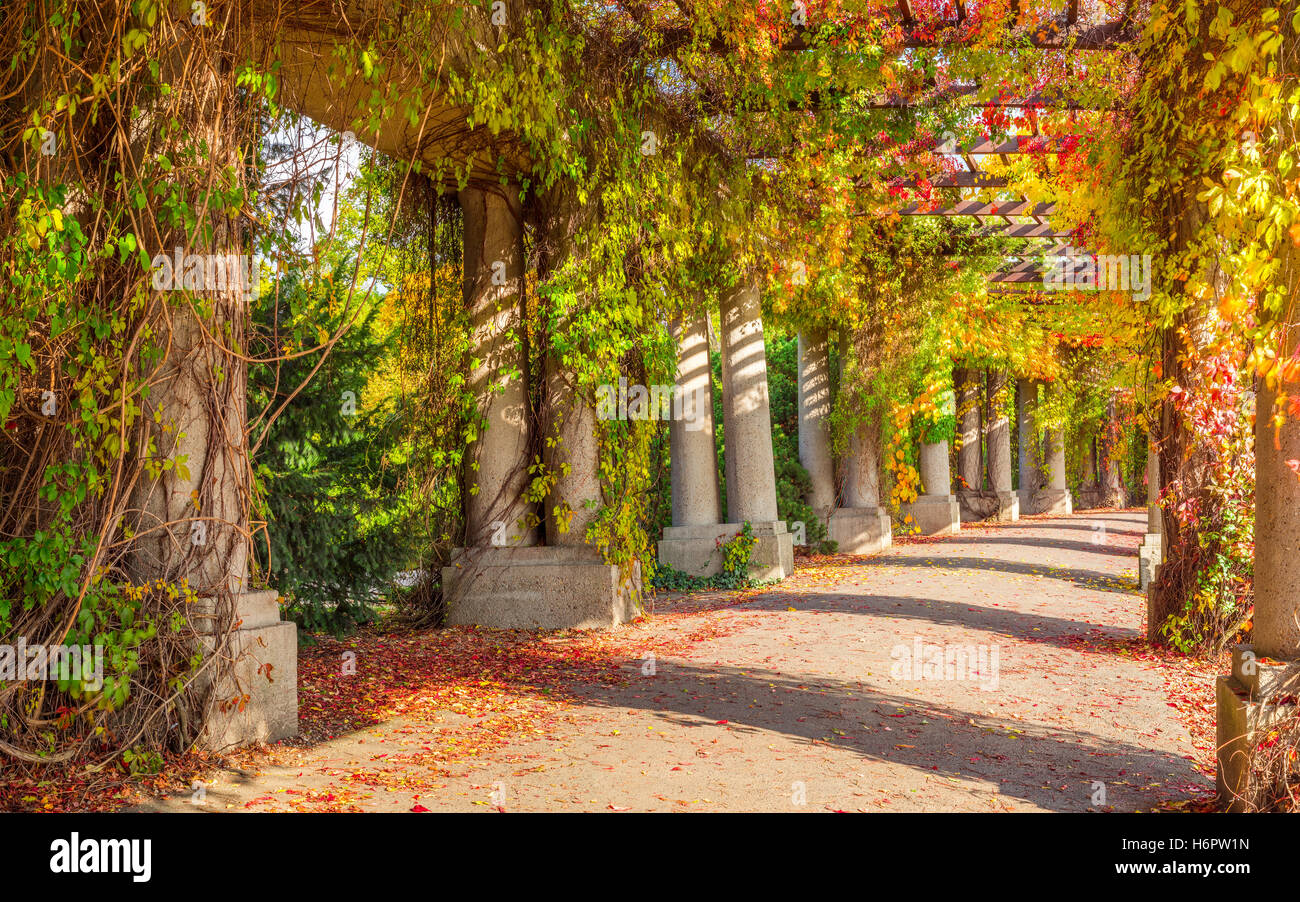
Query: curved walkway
<point x="804" y="697"/>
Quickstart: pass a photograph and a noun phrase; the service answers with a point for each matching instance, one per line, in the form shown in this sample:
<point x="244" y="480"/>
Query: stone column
<point x="999" y="447"/>
<point x="860" y="525"/>
<point x="1277" y="531"/>
<point x="697" y="500"/>
<point x="861" y="465"/>
<point x="747" y="429"/>
<point x="968" y="430"/>
<point x="1113" y="491"/>
<point x="572" y="453"/>
<point x="495" y="512"/>
<point x="1056" y="480"/>
<point x="970" y="471"/>
<point x="690" y="544"/>
<point x="1055" y="498"/>
<point x="1150" y="553"/>
<point x="1155" y="520"/>
<point x="935" y="511"/>
<point x="1029" y="441"/>
<point x="1252" y="698"/>
<point x="503" y="578"/>
<point x="191" y="522"/>
<point x="814" y="420"/>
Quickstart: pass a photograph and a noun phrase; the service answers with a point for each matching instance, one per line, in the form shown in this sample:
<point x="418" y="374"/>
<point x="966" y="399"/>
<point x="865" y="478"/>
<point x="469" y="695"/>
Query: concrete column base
<point x="1053" y="501"/>
<point x="1001" y="506"/>
<point x="932" y="515"/>
<point x="537" y="587"/>
<point x="1008" y="507"/>
<point x="1241" y="714"/>
<point x="257" y="699"/>
<point x="697" y="550"/>
<point x="1090" y="497"/>
<point x="860" y="530"/>
<point x="1150" y="556"/>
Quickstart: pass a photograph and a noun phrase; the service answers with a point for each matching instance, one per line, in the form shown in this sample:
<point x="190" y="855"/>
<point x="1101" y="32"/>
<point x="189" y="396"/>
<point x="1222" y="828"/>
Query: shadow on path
<point x="1053" y="768"/>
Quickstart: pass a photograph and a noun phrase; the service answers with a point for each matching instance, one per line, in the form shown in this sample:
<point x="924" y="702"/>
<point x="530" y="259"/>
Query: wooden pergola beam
<point x="955" y="180"/>
<point x="976" y="208"/>
<point x="1021" y="231"/>
<point x="1020" y="144"/>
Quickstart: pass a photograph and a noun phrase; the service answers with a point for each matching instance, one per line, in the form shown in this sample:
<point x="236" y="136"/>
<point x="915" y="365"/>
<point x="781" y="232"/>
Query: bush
<point x="333" y="510"/>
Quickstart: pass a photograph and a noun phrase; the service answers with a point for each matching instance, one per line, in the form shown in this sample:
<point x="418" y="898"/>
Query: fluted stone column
<point x="1277" y="532"/>
<point x="860" y="525"/>
<point x="975" y="505"/>
<point x="573" y="455"/>
<point x="495" y="511"/>
<point x="502" y="577"/>
<point x="690" y="544"/>
<point x="747" y="430"/>
<point x="189" y="523"/>
<point x="1113" y="491"/>
<point x="746" y="415"/>
<point x="1056" y="480"/>
<point x="1029" y="442"/>
<point x="1252" y="699"/>
<point x="1155" y="521"/>
<point x="999" y="448"/>
<point x="697" y="500"/>
<point x="1055" y="497"/>
<point x="814" y="420"/>
<point x="1151" y="552"/>
<point x="968" y="430"/>
<point x="861" y="465"/>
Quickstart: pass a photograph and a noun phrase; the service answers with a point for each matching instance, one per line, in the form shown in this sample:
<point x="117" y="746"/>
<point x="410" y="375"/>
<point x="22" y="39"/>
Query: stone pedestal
<point x="697" y="550"/>
<point x="860" y="530"/>
<point x="932" y="515"/>
<point x="550" y="588"/>
<point x="1053" y="501"/>
<point x="264" y="669"/>
<point x="1150" y="556"/>
<point x="1008" y="507"/>
<point x="1001" y="506"/>
<point x="1246" y="707"/>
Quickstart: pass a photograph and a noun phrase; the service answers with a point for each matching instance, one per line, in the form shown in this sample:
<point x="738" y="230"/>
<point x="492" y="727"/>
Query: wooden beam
<point x="1022" y="231"/>
<point x="975" y="208"/>
<point x="955" y="180"/>
<point x="1021" y="144"/>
